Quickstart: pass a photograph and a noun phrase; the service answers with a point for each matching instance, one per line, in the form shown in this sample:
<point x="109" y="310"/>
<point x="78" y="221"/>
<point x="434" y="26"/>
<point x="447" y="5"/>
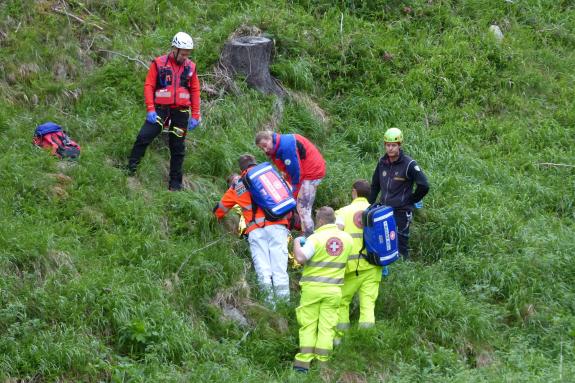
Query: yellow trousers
<point x="317" y="317"/>
<point x="366" y="284"/>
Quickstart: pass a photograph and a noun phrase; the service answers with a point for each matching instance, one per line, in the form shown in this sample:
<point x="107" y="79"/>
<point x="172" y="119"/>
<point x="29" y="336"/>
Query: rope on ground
<point x="556" y="165"/>
<point x="197" y="251"/>
<point x="126" y="56"/>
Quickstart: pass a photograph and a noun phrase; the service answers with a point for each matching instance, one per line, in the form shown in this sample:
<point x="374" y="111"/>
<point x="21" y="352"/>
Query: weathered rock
<point x="11" y="78"/>
<point x="484" y="359"/>
<point x="60" y="72"/>
<point x="233" y="314"/>
<point x="59" y="192"/>
<point x="387" y="56"/>
<point x="496" y="32"/>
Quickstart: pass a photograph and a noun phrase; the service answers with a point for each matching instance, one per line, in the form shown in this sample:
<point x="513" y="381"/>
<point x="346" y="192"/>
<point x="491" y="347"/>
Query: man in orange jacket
<point x="268" y="239"/>
<point x="172" y="96"/>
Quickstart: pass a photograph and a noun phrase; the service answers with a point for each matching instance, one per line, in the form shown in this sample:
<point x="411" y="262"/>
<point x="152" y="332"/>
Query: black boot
<point x="130" y="170"/>
<point x="175" y="186"/>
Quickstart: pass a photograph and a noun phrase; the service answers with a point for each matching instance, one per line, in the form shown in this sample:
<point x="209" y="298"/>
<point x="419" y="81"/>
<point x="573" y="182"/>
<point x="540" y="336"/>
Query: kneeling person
<point x="324" y="256"/>
<point x="268" y="239"/>
<point x="360" y="276"/>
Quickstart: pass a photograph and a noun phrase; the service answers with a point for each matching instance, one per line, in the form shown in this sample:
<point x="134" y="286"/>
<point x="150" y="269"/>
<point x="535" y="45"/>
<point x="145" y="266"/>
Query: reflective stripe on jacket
<point x="172" y="85"/>
<point x="238" y="194"/>
<point x="351" y="217"/>
<point x="327" y="265"/>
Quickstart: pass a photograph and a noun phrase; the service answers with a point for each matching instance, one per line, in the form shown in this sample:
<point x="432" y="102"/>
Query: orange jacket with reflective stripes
<point x="238" y="194"/>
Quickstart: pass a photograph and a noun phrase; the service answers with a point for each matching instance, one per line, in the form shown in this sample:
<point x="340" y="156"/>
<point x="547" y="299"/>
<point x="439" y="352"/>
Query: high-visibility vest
<point x="351" y="216"/>
<point x="172" y="83"/>
<point x="327" y="265"/>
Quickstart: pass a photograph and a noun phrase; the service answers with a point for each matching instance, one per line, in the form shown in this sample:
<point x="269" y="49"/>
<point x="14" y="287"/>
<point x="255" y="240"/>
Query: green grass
<point x="105" y="279"/>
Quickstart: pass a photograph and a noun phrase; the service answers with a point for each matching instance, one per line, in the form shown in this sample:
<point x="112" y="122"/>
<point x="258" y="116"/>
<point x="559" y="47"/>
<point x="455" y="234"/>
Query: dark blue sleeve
<point x="415" y="173"/>
<point x="375" y="186"/>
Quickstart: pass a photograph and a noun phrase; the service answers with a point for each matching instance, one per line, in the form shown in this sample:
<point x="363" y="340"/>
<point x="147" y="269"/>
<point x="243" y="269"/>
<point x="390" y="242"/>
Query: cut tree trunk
<point x="250" y="56"/>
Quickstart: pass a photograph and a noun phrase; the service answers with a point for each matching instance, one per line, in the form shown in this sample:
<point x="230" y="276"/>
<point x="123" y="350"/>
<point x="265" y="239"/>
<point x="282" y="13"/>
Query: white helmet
<point x="183" y="41"/>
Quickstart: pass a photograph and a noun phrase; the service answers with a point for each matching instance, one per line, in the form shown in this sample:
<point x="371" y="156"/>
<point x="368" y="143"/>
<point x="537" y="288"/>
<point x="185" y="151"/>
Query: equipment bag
<point x="379" y="236"/>
<point x="269" y="191"/>
<point x="50" y="136"/>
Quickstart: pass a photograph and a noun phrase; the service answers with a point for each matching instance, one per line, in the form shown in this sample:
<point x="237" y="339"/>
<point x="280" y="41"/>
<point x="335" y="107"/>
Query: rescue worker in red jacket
<point x="172" y="96"/>
<point x="303" y="164"/>
<point x="268" y="239"/>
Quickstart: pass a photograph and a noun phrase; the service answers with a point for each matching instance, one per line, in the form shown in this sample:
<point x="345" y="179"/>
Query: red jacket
<point x="167" y="80"/>
<point x="237" y="194"/>
<point x="298" y="158"/>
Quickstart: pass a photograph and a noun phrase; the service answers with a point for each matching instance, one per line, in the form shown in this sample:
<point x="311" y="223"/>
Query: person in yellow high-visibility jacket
<point x="324" y="256"/>
<point x="360" y="276"/>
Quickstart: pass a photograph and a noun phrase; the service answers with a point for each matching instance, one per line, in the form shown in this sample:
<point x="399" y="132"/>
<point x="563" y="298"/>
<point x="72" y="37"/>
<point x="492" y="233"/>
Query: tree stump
<point x="250" y="56"/>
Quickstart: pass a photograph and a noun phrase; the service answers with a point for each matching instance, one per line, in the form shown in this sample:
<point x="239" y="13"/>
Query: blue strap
<point x="287" y="150"/>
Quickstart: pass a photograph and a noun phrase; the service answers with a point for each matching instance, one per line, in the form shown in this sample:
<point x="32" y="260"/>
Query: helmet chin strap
<point x="176" y="55"/>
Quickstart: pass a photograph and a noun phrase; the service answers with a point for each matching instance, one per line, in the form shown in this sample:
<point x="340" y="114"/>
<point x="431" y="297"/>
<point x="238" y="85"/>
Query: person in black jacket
<point x="394" y="177"/>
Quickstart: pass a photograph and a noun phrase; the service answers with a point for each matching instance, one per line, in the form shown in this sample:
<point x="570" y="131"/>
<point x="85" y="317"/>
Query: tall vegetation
<point x="105" y="278"/>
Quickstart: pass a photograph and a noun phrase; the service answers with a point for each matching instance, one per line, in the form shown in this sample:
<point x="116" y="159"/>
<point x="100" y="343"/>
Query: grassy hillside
<point x="105" y="278"/>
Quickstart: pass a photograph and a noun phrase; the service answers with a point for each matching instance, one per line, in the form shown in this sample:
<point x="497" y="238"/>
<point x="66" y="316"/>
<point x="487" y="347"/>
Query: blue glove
<point x="193" y="123"/>
<point x="151" y="117"/>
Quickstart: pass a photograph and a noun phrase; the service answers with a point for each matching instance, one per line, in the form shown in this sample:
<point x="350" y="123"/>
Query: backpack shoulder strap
<point x="247" y="185"/>
<point x="360" y="255"/>
<point x="58" y="142"/>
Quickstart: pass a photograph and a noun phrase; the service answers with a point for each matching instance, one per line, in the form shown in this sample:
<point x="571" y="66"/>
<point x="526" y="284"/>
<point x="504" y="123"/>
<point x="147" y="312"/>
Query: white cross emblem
<point x="334" y="246"/>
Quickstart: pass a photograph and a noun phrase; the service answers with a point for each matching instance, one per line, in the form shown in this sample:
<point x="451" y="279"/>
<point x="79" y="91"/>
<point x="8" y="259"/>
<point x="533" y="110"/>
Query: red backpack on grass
<point x="52" y="137"/>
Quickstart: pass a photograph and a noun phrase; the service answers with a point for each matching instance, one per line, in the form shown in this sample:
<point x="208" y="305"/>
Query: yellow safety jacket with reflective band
<point x="351" y="216"/>
<point x="327" y="265"/>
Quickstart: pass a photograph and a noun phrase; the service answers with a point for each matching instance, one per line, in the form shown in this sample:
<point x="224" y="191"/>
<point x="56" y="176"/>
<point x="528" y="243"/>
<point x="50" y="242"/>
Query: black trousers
<point x="402" y="221"/>
<point x="175" y="117"/>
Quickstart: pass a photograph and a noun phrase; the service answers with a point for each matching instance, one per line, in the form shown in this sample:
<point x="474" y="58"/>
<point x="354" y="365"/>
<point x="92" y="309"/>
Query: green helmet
<point x="393" y="135"/>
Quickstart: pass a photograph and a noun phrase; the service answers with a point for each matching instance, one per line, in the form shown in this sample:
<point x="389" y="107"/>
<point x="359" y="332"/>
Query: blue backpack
<point x="269" y="191"/>
<point x="379" y="236"/>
